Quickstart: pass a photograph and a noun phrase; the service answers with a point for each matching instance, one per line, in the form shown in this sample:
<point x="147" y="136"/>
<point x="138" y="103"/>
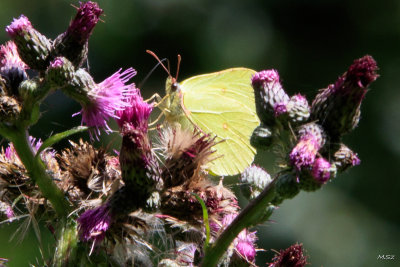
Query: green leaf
<point x="58" y="137"/>
<point x="205" y="219"/>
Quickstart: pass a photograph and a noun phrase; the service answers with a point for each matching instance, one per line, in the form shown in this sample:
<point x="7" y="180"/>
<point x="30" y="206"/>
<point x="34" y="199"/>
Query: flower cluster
<point x="60" y="61"/>
<point x="316" y="154"/>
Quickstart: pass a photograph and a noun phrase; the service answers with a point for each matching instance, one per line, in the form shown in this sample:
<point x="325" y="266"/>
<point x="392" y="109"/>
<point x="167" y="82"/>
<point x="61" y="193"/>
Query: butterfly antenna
<point x="151" y="72"/>
<point x="177" y="68"/>
<point x="159" y="61"/>
<point x="169" y="68"/>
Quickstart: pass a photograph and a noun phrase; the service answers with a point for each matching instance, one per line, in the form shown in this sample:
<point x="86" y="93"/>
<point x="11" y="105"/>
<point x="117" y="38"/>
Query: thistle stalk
<point x="248" y="217"/>
<point x="37" y="172"/>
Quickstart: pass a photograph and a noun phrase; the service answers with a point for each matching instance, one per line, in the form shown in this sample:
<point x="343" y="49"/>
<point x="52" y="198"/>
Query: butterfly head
<point x="171" y="86"/>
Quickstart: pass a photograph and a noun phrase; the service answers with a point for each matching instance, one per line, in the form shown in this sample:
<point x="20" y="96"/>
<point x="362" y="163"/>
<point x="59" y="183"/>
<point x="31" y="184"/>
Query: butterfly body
<point x="221" y="104"/>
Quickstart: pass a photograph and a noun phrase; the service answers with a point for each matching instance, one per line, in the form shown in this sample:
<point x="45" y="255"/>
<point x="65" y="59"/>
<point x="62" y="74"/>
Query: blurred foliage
<point x="351" y="220"/>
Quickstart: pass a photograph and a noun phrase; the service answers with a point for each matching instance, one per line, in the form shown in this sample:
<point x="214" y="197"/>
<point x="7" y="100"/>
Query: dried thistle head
<point x="186" y="155"/>
<point x="184" y="212"/>
<point x="87" y="170"/>
<point x="130" y="238"/>
<point x="14" y="178"/>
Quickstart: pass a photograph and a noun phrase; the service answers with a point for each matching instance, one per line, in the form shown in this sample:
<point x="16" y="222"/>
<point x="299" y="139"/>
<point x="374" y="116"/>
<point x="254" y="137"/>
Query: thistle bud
<point x="286" y="187"/>
<point x="253" y="181"/>
<point x="298" y="109"/>
<point x="337" y="108"/>
<point x="345" y="158"/>
<point x="312" y="129"/>
<point x="12" y="68"/>
<point x="80" y="86"/>
<point x="33" y="47"/>
<point x="311" y="140"/>
<point x="268" y="92"/>
<point x="261" y="137"/>
<point x="139" y="167"/>
<point x="321" y="170"/>
<point x="73" y="44"/>
<point x="280" y="109"/>
<point x="30" y="90"/>
<point x="60" y="72"/>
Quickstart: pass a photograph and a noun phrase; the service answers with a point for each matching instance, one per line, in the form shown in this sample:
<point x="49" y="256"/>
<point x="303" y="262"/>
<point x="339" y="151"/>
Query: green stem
<point x="37" y="172"/>
<point x="248" y="217"/>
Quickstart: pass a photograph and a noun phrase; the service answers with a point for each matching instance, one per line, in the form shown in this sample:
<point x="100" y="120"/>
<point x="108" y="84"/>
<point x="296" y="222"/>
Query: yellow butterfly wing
<point x="222" y="103"/>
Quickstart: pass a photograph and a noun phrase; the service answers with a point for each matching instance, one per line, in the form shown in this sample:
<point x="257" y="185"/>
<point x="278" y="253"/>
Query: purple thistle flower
<point x="35" y="143"/>
<point x="18" y="26"/>
<point x="264" y="76"/>
<point x="359" y="76"/>
<point x="10" y="213"/>
<point x="337" y="107"/>
<point x="12" y="67"/>
<point x="11" y="153"/>
<point x="105" y="99"/>
<point x="321" y="170"/>
<point x="355" y="160"/>
<point x="33" y="47"/>
<point x="279" y="109"/>
<point x="73" y="43"/>
<point x="244" y="242"/>
<point x="6" y="209"/>
<point x="303" y="154"/>
<point x="136" y="112"/>
<point x="268" y="93"/>
<point x="139" y="167"/>
<point x="86" y="18"/>
<point x="9" y="57"/>
<point x="58" y="62"/>
<point x="362" y="72"/>
<point x="94" y="223"/>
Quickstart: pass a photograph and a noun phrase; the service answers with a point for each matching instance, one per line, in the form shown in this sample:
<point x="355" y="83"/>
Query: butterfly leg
<point x="156" y="120"/>
<point x="155" y="97"/>
<point x="158" y="127"/>
<point x="158" y="101"/>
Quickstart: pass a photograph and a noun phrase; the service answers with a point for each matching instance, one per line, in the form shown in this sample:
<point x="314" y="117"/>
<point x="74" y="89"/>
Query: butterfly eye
<point x="175" y="87"/>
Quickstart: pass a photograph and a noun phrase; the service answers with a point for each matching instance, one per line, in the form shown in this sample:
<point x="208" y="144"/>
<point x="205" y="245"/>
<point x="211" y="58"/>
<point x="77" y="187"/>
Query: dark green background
<point x="351" y="220"/>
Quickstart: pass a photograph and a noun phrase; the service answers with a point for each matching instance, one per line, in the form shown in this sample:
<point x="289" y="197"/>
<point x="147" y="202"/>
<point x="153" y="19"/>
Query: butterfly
<point x="219" y="103"/>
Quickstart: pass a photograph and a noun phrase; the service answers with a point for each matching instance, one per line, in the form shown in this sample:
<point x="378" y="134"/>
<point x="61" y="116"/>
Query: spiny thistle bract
<point x="141" y="206"/>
